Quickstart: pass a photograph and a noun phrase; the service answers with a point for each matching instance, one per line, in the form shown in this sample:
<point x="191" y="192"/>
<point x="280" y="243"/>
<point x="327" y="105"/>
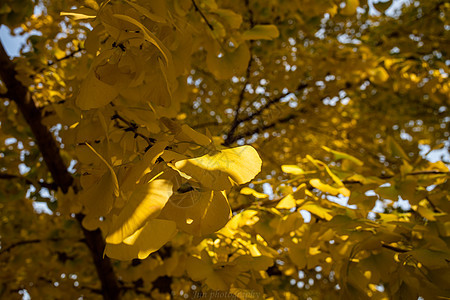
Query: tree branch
<point x="20" y="243"/>
<point x="257" y="130"/>
<point x="203" y="16"/>
<point x="19" y="93"/>
<point x="51" y="186"/>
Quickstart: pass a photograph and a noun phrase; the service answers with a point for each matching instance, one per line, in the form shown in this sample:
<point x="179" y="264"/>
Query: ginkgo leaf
<point x="341" y="155"/>
<point x="148" y="160"/>
<point x="98" y="198"/>
<point x="350" y="7"/>
<point x="111" y="170"/>
<point x="233" y="19"/>
<point x="256" y="263"/>
<point x="328" y="188"/>
<point x="287" y="202"/>
<point x="198" y="213"/>
<point x="146" y="202"/>
<point x="150" y="238"/>
<point x="382" y="6"/>
<point x="94" y="93"/>
<point x="227" y="64"/>
<point x="149" y="36"/>
<point x="147" y="13"/>
<point x="292" y="169"/>
<point x="249" y="191"/>
<point x="217" y="277"/>
<point x="395" y="148"/>
<point x="298" y="257"/>
<point x="317" y="210"/>
<point x="214" y="170"/>
<point x="261" y="32"/>
<point x="82" y="13"/>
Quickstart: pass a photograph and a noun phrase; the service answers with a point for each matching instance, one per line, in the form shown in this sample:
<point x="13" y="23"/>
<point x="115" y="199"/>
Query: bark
<point x="19" y="93"/>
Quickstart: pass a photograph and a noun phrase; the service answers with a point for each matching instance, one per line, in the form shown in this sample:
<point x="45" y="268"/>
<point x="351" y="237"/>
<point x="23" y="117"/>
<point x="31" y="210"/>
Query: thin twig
<point x="203" y="16"/>
<point x="50" y="186"/>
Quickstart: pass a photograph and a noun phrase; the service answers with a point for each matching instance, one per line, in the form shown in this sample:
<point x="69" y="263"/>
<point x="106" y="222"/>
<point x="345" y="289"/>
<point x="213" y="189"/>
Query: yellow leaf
<point x="233" y="19"/>
<point x="227" y="64"/>
<point x="147" y="13"/>
<point x="98" y="198"/>
<point x="292" y="169"/>
<point x="94" y="93"/>
<point x="214" y="170"/>
<point x="150" y="37"/>
<point x="217" y="277"/>
<point x="82" y="13"/>
<point x="135" y="173"/>
<point x="198" y="269"/>
<point x="395" y="148"/>
<point x="317" y="210"/>
<point x="256" y="263"/>
<point x="113" y="174"/>
<point x="328" y="188"/>
<point x="341" y="155"/>
<point x="249" y="191"/>
<point x="198" y="213"/>
<point x="298" y="257"/>
<point x="350" y="7"/>
<point x="287" y="202"/>
<point x="261" y="32"/>
<point x="150" y="238"/>
<point x="145" y="203"/>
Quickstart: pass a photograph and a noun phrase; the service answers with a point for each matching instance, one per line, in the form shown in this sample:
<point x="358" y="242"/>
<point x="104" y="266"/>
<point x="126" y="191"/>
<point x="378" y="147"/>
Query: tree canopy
<point x="252" y="149"/>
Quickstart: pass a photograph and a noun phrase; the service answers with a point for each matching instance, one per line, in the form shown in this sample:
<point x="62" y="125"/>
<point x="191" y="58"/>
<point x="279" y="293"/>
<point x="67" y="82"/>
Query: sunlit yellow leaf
<point x="198" y="213"/>
<point x="214" y="170"/>
<point x="82" y="13"/>
<point x="135" y="173"/>
<point x="152" y="236"/>
<point x="328" y="188"/>
<point x="146" y="202"/>
<point x="292" y="169"/>
<point x="317" y="210"/>
<point x="249" y="191"/>
<point x="287" y="202"/>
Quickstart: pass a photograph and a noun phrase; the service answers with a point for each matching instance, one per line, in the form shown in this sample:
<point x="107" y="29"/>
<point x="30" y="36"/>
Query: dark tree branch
<point x="260" y="129"/>
<point x="237" y="121"/>
<point x="203" y="16"/>
<point x="396" y="249"/>
<point x="55" y="164"/>
<point x="51" y="186"/>
<point x="20" y="243"/>
<point x="70" y="55"/>
<point x="133" y="127"/>
<point x="269" y="104"/>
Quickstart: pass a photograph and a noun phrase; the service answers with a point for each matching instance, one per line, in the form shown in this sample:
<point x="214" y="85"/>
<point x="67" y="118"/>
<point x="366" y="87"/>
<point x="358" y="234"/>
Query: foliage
<point x="228" y="149"/>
